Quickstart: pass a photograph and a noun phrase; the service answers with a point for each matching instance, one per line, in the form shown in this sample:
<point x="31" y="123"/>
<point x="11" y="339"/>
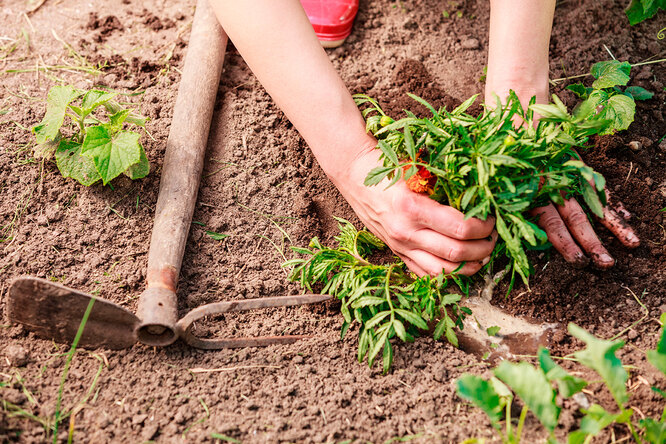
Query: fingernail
<point x="485" y="261"/>
<point x="603" y="260"/>
<point x="632" y="239"/>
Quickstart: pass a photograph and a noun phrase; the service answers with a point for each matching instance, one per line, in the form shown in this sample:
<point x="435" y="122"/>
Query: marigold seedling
<point x="486" y="166"/>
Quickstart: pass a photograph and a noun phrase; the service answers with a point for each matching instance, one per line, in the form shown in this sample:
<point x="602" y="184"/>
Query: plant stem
<point x="633" y="432"/>
<point x="508" y="418"/>
<point x="562" y="79"/>
<point x="521" y="423"/>
<point x="65" y="371"/>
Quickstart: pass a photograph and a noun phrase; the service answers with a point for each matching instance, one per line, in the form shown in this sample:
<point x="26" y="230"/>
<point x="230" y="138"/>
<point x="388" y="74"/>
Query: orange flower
<point x="422" y="182"/>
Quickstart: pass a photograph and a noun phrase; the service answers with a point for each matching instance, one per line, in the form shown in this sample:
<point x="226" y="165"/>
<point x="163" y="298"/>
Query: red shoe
<point x="331" y="19"/>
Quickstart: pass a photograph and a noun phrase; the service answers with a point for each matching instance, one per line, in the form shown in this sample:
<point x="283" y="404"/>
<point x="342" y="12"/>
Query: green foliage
<point x="599" y="355"/>
<point x="658" y="357"/>
<point x="532" y="385"/>
<point x="639" y="10"/>
<point x="482" y="394"/>
<point x="485" y="166"/>
<point x="606" y="97"/>
<point x="89" y="148"/>
<point x="386" y="300"/>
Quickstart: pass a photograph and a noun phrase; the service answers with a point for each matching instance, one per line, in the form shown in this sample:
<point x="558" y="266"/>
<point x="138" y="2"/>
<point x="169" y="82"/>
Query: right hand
<point x="429" y="237"/>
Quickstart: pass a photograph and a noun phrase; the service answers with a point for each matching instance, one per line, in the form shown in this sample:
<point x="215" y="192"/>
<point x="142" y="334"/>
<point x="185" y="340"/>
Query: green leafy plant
<point x="639" y="10"/>
<point x="534" y="386"/>
<point x="386" y="300"/>
<point x="607" y="98"/>
<point x="90" y="147"/>
<point x="486" y="166"/>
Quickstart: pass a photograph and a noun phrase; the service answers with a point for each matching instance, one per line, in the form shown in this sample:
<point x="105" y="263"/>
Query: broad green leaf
<point x="111" y="155"/>
<point x="141" y="169"/>
<point x="56" y="107"/>
<point x="609" y="74"/>
<point x="619" y="109"/>
<point x="578" y="89"/>
<point x="94" y="98"/>
<point x="639" y="93"/>
<point x="531" y="385"/>
<point x="599" y="355"/>
<point x="639" y="10"/>
<point x="116" y="121"/>
<point x="658" y="357"/>
<point x="595" y="420"/>
<point x="568" y="385"/>
<point x="655" y="431"/>
<point x="72" y="164"/>
<point x="481" y="393"/>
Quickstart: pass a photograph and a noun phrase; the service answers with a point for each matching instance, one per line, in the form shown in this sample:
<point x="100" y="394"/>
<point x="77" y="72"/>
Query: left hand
<point x="564" y="223"/>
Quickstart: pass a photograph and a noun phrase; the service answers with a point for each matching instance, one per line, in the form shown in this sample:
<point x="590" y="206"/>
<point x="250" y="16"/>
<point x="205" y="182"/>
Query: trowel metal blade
<point x="54" y="311"/>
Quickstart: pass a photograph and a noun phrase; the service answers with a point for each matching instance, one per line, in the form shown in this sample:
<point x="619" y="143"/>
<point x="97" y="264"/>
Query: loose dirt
<point x="263" y="188"/>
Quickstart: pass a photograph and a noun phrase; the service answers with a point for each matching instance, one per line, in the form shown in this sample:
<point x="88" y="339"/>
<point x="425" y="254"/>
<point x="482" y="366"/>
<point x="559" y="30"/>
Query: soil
<point x="263" y="188"/>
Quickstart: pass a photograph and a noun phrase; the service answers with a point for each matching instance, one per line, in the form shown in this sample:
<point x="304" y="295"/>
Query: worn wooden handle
<point x="181" y="173"/>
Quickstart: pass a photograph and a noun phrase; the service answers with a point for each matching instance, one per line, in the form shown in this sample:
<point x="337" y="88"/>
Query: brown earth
<point x="259" y="175"/>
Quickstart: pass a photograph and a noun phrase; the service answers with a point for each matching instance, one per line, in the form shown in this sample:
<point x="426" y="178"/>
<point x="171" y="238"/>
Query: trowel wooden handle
<point x="181" y="173"/>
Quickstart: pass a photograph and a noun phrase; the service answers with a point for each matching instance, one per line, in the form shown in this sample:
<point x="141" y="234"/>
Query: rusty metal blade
<point x="184" y="326"/>
<point x="54" y="311"/>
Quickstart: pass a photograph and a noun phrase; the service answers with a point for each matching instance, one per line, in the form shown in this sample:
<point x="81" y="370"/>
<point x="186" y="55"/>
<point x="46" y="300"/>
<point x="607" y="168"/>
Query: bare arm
<point x="277" y="41"/>
<point x="518" y="59"/>
<point x="518" y="50"/>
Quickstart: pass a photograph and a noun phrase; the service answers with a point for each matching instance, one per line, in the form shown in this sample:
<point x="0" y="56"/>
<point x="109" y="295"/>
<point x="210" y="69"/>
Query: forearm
<point x="518" y="51"/>
<point x="277" y="42"/>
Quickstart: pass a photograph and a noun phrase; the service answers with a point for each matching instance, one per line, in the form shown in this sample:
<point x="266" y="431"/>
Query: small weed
<point x="52" y="424"/>
<point x="224" y="438"/>
<point x="607" y="97"/>
<point x="97" y="149"/>
<point x="534" y="386"/>
<point x="640" y="10"/>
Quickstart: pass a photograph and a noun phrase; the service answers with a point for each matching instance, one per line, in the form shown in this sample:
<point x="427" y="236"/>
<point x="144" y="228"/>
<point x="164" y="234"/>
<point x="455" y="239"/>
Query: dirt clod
<point x="17" y="355"/>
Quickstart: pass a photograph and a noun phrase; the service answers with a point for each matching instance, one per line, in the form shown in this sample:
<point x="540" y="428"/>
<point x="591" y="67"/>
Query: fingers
<point x="550" y="220"/>
<point x="616" y="221"/>
<point x="424" y="263"/>
<point x="441" y="218"/>
<point x="451" y="249"/>
<point x="581" y="229"/>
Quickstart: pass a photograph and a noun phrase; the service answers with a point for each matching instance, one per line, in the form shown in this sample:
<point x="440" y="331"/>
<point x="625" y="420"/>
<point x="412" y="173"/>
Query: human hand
<point x="564" y="223"/>
<point x="429" y="237"/>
